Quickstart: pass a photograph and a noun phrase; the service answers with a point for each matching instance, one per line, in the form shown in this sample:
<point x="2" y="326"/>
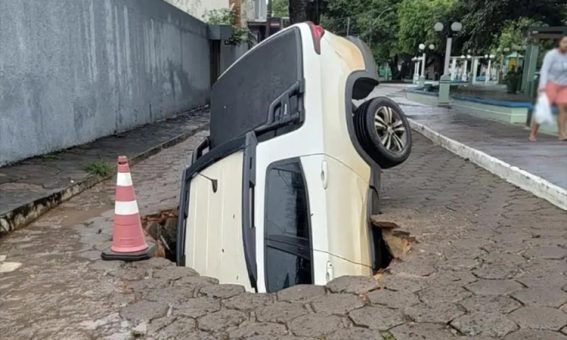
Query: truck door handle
<point x="324" y="174"/>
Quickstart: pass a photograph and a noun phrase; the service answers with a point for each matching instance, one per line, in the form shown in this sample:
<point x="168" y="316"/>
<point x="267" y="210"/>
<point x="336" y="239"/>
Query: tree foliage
<point x="513" y="34"/>
<point x="484" y="20"/>
<point x="416" y="20"/>
<point x="375" y="21"/>
<point x="395" y="28"/>
<point x="227" y="16"/>
<point x="280" y="8"/>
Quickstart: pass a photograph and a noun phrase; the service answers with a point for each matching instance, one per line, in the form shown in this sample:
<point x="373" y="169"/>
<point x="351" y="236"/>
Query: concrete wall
<point x="75" y="70"/>
<point x="231" y="53"/>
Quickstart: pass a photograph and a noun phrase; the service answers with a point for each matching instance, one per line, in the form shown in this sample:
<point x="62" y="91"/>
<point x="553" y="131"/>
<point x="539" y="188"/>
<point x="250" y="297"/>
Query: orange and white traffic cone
<point x="128" y="241"/>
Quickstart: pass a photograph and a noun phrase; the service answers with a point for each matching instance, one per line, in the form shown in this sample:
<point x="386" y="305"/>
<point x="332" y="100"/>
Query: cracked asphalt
<point x="490" y="263"/>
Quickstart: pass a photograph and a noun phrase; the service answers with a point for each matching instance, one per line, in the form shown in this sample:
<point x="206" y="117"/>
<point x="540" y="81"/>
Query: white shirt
<point x="554" y="69"/>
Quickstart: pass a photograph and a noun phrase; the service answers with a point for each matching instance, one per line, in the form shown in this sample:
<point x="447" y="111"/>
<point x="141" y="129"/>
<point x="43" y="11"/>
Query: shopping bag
<point x="542" y="110"/>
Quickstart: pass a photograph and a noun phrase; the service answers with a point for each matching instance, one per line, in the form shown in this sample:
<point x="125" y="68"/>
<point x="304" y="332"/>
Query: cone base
<point x="109" y="255"/>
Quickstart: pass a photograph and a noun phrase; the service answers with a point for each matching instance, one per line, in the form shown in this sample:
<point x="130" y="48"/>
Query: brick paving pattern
<point x="490" y="263"/>
<point x="30" y="187"/>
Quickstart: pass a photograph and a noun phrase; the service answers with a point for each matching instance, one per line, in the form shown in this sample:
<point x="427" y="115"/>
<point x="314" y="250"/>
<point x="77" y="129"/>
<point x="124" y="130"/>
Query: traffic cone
<point x="128" y="241"/>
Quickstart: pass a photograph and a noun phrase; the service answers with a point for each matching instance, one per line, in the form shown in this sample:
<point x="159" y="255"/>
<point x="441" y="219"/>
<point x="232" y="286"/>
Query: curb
<point x="25" y="214"/>
<point x="512" y="174"/>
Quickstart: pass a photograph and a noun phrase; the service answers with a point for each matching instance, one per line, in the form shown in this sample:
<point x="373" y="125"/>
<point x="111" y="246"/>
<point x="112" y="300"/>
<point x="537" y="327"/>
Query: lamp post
<point x="445" y="83"/>
<point x="415" y="69"/>
<point x="489" y="68"/>
<point x="466" y="72"/>
<point x="422" y="74"/>
<point x="423" y="60"/>
<point x="454" y="68"/>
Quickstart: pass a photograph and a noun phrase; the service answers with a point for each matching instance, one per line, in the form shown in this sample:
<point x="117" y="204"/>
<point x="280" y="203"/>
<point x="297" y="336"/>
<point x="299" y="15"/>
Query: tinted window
<point x="241" y="98"/>
<point x="287" y="232"/>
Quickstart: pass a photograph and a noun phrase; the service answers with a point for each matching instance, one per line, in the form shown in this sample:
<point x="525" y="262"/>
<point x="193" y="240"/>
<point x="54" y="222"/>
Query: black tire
<point x="383" y="131"/>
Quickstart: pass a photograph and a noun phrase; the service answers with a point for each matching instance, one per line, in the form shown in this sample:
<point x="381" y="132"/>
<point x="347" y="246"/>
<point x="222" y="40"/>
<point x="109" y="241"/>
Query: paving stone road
<point x="491" y="263"/>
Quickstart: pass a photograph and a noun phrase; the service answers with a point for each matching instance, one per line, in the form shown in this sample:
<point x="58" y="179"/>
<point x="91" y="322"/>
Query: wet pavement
<point x="490" y="262"/>
<point x="30" y="187"/>
<point x="546" y="158"/>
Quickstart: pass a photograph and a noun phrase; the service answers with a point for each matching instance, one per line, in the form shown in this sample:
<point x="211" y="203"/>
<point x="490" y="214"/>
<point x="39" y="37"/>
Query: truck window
<point x="241" y="98"/>
<point x="287" y="230"/>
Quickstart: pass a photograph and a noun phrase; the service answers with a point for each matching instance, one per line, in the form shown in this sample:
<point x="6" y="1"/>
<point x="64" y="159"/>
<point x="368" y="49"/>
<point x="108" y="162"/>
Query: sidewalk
<point x="489" y="264"/>
<point x="31" y="187"/>
<point x="502" y="149"/>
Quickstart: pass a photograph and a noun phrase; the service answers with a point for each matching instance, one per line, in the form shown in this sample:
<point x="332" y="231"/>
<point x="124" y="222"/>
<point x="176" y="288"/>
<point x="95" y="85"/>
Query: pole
<point x="423" y="65"/>
<point x="318" y="2"/>
<point x="348" y="27"/>
<point x="465" y="76"/>
<point x="454" y="69"/>
<point x="448" y="56"/>
<point x="488" y="70"/>
<point x="268" y="19"/>
<point x="475" y="69"/>
<point x="416" y="68"/>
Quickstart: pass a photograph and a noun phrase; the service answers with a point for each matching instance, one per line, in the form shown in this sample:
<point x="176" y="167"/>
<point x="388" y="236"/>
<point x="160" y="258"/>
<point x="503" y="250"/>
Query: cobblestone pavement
<point x="491" y="262"/>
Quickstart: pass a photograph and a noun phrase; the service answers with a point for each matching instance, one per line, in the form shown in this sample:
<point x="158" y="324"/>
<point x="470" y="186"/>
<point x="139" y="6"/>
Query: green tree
<point x="395" y="28"/>
<point x="280" y="8"/>
<point x="514" y="33"/>
<point x="416" y="20"/>
<point x="374" y="21"/>
<point x="227" y="16"/>
<point x="484" y="20"/>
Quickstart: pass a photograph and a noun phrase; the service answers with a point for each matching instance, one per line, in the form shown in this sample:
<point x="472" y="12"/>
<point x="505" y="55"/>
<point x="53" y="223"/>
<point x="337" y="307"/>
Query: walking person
<point x="553" y="82"/>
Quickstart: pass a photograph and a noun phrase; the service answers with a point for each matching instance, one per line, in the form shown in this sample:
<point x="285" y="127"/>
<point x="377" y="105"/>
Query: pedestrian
<point x="553" y="82"/>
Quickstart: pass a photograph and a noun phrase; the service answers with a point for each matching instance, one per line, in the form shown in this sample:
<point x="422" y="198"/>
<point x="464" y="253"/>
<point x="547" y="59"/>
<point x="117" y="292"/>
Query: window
<point x="287" y="232"/>
<point x="241" y="98"/>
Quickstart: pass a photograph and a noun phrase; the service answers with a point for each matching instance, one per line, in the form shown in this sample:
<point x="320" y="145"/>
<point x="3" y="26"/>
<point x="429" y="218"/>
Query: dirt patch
<point x="162" y="227"/>
<point x="398" y="242"/>
<point x="391" y="244"/>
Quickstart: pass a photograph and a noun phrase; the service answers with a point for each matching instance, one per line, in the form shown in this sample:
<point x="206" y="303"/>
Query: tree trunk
<point x="297" y="11"/>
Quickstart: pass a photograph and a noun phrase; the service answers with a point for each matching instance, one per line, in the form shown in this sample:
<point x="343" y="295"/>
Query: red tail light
<point x="317" y="33"/>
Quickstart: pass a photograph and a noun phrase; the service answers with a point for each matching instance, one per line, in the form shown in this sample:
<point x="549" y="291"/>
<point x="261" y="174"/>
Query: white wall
<point x="256" y="10"/>
<point x="252" y="10"/>
<point x="198" y="8"/>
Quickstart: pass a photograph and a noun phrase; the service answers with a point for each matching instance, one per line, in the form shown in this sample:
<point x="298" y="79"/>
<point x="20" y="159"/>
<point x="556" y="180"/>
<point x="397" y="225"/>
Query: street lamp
<point x="445" y="83"/>
<point x="415" y="69"/>
<point x="422" y="74"/>
<point x="455" y="28"/>
<point x="466" y="67"/>
<point x="422" y="48"/>
<point x="489" y="68"/>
